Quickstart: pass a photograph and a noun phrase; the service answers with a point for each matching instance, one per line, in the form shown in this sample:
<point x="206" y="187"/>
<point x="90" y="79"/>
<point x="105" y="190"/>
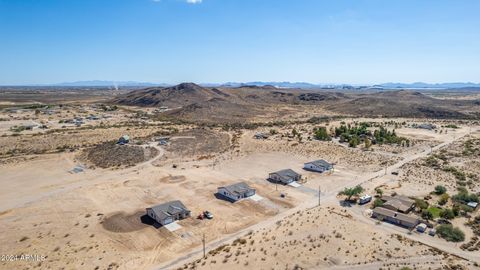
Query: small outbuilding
<point x="124" y="140"/>
<point x="318" y="166"/>
<point x="236" y="191"/>
<point x="168" y="212"/>
<point x="260" y="135"/>
<point x="421" y="227"/>
<point x="286" y="176"/>
<point x="473" y="205"/>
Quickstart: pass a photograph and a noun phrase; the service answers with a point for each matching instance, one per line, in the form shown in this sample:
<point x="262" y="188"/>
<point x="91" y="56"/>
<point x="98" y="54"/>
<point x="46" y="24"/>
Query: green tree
<point x="350" y="192"/>
<point x="421" y="204"/>
<point x="448" y="214"/>
<point x="354" y="141"/>
<point x="450" y="233"/>
<point x="321" y="134"/>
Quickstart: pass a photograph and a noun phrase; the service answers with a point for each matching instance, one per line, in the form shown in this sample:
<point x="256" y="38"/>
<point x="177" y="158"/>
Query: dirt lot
<point x="321" y="238"/>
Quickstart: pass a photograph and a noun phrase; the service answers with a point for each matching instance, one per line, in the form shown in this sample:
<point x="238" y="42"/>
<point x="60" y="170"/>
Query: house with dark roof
<point x="286" y="176"/>
<point x="318" y="166"/>
<point x="384" y="214"/>
<point x="236" y="191"/>
<point x="398" y="203"/>
<point x="168" y="212"/>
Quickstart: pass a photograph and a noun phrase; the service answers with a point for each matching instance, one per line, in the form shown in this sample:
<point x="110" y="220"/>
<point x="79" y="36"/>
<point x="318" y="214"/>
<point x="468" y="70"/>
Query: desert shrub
<point x="464" y="197"/>
<point x="443" y="199"/>
<point x="421" y="204"/>
<point x="457" y="173"/>
<point x="450" y="233"/>
<point x="427" y="214"/>
<point x="431" y="161"/>
<point x="448" y="214"/>
<point x="439" y="190"/>
<point x="451" y="126"/>
<point x="378" y="202"/>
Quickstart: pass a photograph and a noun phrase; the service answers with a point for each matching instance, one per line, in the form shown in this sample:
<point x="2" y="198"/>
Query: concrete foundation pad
<point x="172" y="226"/>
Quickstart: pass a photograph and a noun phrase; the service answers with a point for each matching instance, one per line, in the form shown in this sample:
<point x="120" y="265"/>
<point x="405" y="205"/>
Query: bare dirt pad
<point x="122" y="222"/>
<point x="198" y="142"/>
<point x="110" y="155"/>
<point x="173" y="179"/>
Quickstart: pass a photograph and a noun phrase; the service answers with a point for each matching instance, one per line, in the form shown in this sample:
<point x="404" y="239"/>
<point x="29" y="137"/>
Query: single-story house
<point x="398" y="203"/>
<point x="236" y="191"/>
<point x="286" y="176"/>
<point x="318" y="166"/>
<point x="168" y="212"/>
<point x="396" y="218"/>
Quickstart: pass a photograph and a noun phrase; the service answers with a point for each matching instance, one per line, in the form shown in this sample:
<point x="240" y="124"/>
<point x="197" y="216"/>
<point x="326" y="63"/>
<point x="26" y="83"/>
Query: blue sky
<point x="319" y="41"/>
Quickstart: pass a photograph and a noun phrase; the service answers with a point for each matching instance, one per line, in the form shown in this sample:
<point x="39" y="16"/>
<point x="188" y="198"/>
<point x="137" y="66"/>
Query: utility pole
<point x="203" y="241"/>
<point x="319" y="195"/>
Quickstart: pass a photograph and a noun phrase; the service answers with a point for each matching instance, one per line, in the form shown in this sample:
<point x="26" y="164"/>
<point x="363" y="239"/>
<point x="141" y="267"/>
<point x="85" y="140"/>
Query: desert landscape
<point x="78" y="174"/>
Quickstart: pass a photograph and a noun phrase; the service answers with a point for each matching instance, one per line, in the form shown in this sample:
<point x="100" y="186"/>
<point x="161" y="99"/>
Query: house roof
<point x="238" y="188"/>
<point x="401" y="203"/>
<point x="287" y="174"/>
<point x="320" y="163"/>
<point x="168" y="209"/>
<point x="399" y="216"/>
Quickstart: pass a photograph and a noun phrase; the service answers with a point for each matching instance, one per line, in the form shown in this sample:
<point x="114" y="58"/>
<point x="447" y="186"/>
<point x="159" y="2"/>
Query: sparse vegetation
<point x="450" y="233"/>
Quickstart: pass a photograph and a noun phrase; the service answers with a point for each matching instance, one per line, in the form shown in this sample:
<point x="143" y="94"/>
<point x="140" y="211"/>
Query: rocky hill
<point x="175" y="96"/>
<point x="193" y="102"/>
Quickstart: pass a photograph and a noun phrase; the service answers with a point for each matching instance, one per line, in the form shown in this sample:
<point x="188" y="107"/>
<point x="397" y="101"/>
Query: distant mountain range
<point x="304" y="85"/>
<point x="420" y="85"/>
<point x="100" y="83"/>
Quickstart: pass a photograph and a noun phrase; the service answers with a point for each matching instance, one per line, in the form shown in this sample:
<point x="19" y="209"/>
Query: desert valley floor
<point x="72" y="195"/>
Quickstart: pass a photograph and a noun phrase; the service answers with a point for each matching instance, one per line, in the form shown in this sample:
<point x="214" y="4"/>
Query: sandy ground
<point x="320" y="238"/>
<point x="94" y="218"/>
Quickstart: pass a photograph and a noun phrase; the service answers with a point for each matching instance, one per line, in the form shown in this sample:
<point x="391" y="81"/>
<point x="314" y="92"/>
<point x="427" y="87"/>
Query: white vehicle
<point x="365" y="199"/>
